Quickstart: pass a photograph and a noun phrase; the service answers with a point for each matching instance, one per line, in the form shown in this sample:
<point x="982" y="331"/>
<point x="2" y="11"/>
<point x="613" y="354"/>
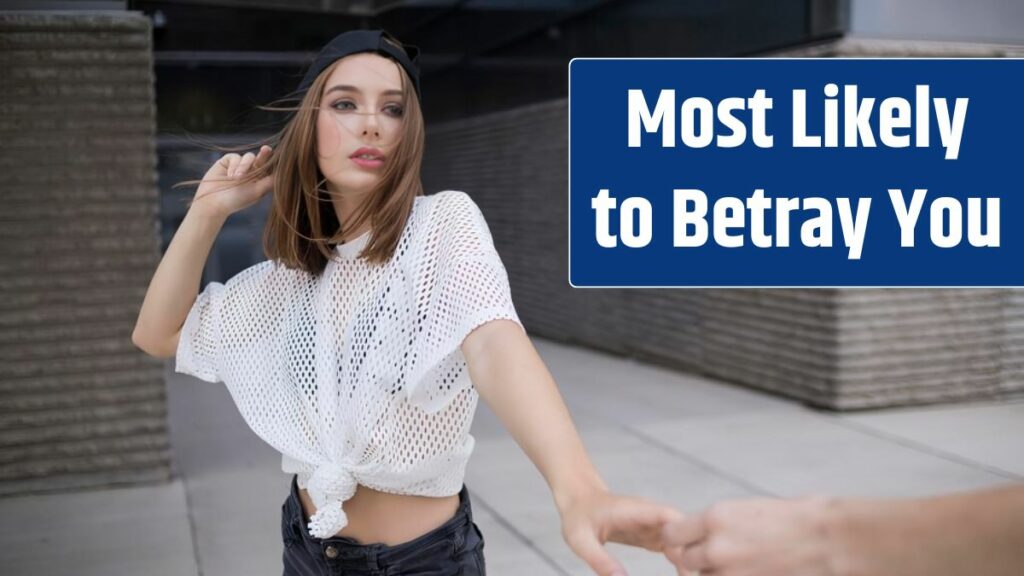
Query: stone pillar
<point x="79" y="404"/>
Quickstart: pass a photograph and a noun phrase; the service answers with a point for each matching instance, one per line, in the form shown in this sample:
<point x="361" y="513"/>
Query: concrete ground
<point x="653" y="432"/>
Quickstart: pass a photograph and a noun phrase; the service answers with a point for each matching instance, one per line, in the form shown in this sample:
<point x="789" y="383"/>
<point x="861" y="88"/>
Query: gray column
<point x="79" y="404"/>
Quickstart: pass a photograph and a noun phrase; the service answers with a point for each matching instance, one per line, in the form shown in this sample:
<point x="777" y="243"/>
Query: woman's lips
<point x="367" y="163"/>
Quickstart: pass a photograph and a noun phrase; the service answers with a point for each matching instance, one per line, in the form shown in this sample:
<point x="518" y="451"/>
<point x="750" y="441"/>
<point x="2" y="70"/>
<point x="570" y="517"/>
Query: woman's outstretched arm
<point x="513" y="381"/>
<point x="175" y="284"/>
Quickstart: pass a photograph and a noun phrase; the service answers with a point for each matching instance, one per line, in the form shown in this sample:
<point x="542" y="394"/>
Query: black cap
<point x="355" y="41"/>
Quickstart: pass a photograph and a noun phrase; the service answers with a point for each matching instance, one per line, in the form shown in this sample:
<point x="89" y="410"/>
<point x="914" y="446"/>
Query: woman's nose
<point x="371" y="125"/>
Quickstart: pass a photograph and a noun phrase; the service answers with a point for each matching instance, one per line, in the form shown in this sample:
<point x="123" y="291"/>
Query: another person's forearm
<point x="977" y="533"/>
<point x="175" y="284"/>
<point x="521" y="391"/>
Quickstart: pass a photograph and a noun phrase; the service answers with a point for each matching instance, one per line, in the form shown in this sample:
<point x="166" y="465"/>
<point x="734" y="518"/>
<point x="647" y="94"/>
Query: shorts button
<point x="331" y="552"/>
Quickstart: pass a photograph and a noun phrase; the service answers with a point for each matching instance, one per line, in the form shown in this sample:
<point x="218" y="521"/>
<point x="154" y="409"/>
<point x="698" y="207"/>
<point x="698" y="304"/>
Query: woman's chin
<point x="357" y="183"/>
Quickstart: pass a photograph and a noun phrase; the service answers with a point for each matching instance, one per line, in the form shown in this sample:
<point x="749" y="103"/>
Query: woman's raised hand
<point x="222" y="190"/>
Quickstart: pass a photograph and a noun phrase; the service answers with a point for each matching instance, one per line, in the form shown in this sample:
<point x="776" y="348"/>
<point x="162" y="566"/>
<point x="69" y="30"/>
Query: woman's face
<point x="361" y="107"/>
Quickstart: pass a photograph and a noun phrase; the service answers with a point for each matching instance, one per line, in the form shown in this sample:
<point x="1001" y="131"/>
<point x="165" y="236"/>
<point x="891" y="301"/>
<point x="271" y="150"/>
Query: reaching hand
<point x="225" y="188"/>
<point x="754" y="538"/>
<point x="591" y="520"/>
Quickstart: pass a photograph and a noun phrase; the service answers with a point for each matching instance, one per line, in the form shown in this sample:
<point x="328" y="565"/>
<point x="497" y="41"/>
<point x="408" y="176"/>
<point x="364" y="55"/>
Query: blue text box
<point x="984" y="165"/>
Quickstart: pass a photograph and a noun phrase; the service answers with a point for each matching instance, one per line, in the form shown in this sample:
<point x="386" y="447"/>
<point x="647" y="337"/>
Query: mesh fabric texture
<point x="356" y="376"/>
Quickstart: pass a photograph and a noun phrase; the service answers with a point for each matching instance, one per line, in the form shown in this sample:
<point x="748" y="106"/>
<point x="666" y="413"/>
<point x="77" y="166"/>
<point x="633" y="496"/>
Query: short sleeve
<point x="462" y="285"/>
<point x="199" y="345"/>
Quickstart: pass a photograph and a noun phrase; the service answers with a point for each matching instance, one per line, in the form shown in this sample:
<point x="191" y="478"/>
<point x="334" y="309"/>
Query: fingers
<point x="236" y="166"/>
<point x="696" y="558"/>
<point x="666" y="516"/>
<point x="675" y="556"/>
<point x="262" y="156"/>
<point x="648" y="512"/>
<point x="639" y="522"/>
<point x="686" y="544"/>
<point x="228" y="161"/>
<point x="239" y="168"/>
<point x="684" y="532"/>
<point x="593" y="553"/>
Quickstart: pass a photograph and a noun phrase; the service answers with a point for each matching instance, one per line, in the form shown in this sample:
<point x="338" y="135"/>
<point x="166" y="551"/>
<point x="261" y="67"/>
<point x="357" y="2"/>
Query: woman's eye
<point x="394" y="111"/>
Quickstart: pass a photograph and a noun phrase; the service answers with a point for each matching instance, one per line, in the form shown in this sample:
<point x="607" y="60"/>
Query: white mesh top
<point x="356" y="376"/>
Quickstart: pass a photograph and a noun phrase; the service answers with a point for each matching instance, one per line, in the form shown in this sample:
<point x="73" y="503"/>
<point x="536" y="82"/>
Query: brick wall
<point x="79" y="404"/>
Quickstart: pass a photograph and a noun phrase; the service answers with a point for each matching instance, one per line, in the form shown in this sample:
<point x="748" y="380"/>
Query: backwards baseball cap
<point x="355" y="41"/>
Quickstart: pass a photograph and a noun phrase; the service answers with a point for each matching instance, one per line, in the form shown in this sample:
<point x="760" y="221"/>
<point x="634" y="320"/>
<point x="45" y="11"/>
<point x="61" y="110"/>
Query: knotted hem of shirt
<point x="329" y="486"/>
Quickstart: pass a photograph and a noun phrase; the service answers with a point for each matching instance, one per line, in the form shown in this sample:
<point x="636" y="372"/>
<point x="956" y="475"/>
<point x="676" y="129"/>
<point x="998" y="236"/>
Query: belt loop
<point x="458" y="540"/>
<point x="468" y="505"/>
<point x="373" y="560"/>
<point x="293" y="508"/>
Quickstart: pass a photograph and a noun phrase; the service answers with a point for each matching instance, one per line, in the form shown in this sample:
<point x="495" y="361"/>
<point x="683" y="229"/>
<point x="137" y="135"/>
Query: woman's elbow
<point x="158" y="348"/>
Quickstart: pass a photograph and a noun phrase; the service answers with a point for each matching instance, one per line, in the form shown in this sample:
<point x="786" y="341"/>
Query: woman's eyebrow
<point x="346" y="87"/>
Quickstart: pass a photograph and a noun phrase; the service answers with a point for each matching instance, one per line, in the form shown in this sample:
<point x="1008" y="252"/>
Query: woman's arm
<point x="513" y="381"/>
<point x="175" y="284"/>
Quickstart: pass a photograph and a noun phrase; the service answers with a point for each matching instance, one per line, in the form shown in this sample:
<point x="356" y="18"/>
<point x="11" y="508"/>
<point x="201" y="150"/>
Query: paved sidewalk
<point x="653" y="432"/>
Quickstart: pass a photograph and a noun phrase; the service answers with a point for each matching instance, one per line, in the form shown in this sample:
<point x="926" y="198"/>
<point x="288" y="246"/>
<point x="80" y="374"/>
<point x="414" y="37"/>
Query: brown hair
<point x="302" y="224"/>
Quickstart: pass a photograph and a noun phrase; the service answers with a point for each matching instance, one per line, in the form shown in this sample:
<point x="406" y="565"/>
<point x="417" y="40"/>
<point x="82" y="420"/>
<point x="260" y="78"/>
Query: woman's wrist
<point x="577" y="486"/>
<point x="206" y="215"/>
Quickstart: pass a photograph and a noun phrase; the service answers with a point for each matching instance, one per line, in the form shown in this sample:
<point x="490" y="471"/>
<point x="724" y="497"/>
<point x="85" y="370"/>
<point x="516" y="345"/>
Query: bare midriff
<point x="391" y="519"/>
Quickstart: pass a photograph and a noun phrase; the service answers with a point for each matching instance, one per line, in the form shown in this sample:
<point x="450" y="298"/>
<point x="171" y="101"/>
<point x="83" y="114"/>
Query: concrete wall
<point x="995" y="21"/>
<point x="832" y="348"/>
<point x="79" y="404"/>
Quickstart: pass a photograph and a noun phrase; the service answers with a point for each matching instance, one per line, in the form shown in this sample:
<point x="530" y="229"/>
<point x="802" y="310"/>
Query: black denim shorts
<point x="455" y="548"/>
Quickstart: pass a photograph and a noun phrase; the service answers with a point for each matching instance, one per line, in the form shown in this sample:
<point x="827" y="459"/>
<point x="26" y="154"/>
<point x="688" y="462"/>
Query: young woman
<point x="360" y="347"/>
